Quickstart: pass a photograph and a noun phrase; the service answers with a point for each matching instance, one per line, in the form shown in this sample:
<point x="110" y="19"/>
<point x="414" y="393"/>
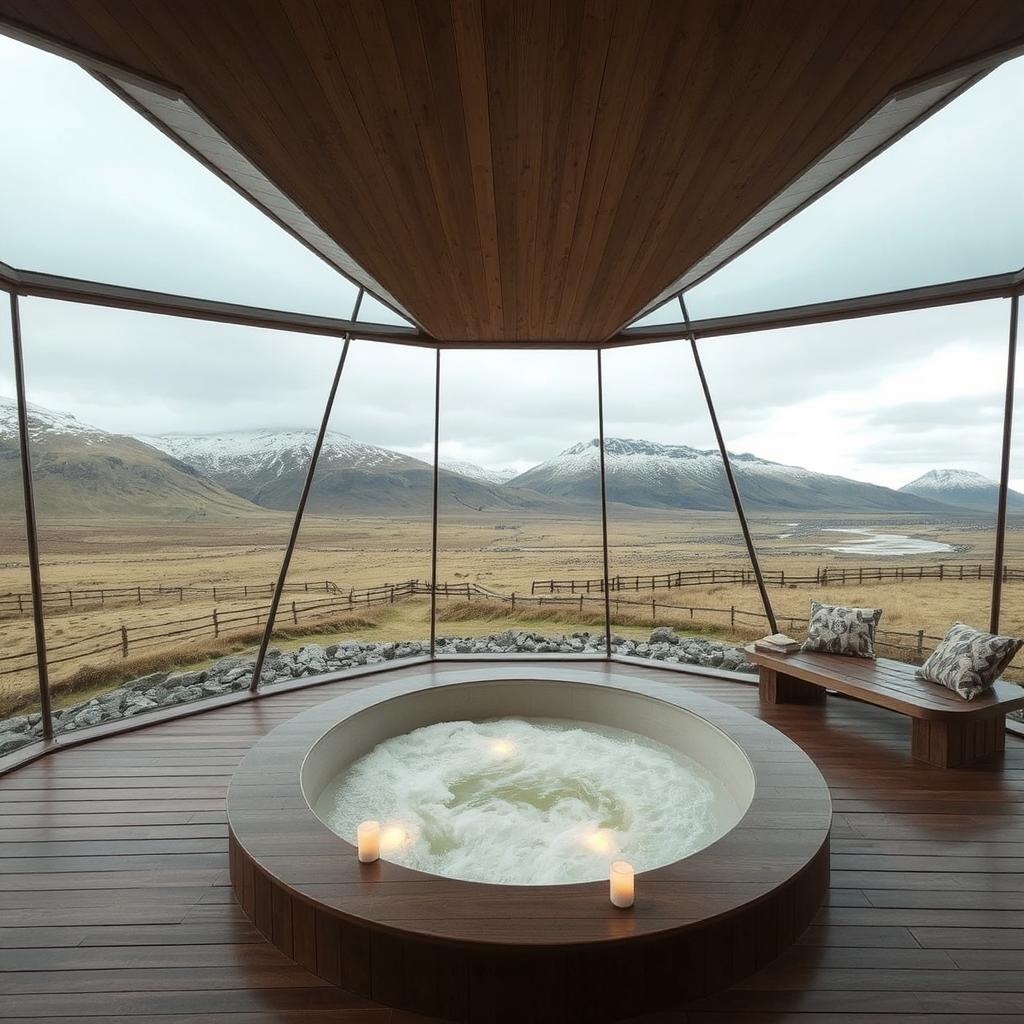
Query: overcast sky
<point x="87" y="188"/>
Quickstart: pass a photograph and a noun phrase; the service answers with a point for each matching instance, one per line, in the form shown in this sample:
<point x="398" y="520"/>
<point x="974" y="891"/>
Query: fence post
<point x="216" y="624"/>
<point x="124" y="642"/>
<point x="654" y="612"/>
<point x="20" y="608"/>
<point x="920" y="643"/>
<point x="941" y="568"/>
<point x="71" y="600"/>
<point x="295" y="614"/>
<point x="732" y="615"/>
<point x="581" y="604"/>
<point x="514" y="599"/>
<point x="181" y="594"/>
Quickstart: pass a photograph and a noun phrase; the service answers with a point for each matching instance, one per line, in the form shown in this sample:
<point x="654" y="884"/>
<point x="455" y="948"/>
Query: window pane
<point x="942" y="204"/>
<point x="867" y="455"/>
<point x="682" y="585"/>
<point x="366" y="531"/>
<point x="166" y="477"/>
<point x="373" y="311"/>
<point x="135" y="209"/>
<point x="20" y="724"/>
<point x="520" y="504"/>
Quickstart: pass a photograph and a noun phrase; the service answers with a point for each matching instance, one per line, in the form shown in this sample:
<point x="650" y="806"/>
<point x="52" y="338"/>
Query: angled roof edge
<point x="901" y="112"/>
<point x="170" y="111"/>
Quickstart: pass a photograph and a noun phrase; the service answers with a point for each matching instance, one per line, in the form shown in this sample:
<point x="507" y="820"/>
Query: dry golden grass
<point x="502" y="552"/>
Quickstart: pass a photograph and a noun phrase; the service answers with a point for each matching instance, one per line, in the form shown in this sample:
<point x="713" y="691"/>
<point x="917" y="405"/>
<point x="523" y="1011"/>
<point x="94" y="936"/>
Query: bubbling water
<point x="529" y="801"/>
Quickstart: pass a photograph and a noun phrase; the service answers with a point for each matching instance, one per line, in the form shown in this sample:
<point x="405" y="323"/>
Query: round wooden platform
<point x="471" y="951"/>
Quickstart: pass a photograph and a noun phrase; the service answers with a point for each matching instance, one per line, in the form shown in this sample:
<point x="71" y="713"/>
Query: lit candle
<point x="368" y="841"/>
<point x="621" y="883"/>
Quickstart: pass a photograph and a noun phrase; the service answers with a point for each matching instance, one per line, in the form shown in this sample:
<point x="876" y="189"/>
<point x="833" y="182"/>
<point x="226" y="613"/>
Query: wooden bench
<point x="948" y="731"/>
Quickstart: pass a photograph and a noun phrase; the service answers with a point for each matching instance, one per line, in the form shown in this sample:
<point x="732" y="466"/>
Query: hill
<point x="650" y="475"/>
<point x="268" y="467"/>
<point x="964" y="489"/>
<point x="80" y="471"/>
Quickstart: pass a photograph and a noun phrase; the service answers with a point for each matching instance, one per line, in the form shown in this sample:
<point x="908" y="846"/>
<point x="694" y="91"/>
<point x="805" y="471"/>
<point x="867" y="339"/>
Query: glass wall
<point x="20" y="723"/>
<point x="910" y="217"/>
<point x="367" y="527"/>
<point x="866" y="453"/>
<point x="519" y="504"/>
<point x="682" y="585"/>
<point x="137" y="210"/>
<point x="169" y="456"/>
<point x="166" y="457"/>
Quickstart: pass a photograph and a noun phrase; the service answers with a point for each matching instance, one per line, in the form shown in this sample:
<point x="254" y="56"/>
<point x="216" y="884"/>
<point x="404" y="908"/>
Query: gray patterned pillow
<point x="837" y="630"/>
<point x="969" y="661"/>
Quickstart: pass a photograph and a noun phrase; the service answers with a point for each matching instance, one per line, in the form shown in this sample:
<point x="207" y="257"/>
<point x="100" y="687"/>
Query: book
<point x="777" y="643"/>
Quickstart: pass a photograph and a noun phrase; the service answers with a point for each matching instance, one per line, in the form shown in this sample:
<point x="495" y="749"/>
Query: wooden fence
<point x="823" y="576"/>
<point x="20" y="602"/>
<point x="127" y="641"/>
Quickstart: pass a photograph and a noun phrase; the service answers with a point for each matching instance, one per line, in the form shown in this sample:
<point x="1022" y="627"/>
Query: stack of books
<point x="777" y="643"/>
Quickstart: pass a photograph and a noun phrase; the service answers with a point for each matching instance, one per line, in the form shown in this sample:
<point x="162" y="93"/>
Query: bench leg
<point x="953" y="744"/>
<point x="779" y="688"/>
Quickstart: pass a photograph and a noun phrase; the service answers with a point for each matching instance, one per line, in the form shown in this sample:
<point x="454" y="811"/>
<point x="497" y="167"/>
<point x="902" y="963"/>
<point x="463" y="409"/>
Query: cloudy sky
<point x="89" y="189"/>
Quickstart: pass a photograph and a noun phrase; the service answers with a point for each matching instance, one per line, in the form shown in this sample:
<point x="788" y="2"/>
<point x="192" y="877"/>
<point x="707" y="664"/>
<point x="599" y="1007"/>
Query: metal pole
<point x="1004" y="469"/>
<point x="299" y="510"/>
<point x="751" y="552"/>
<point x="433" y="527"/>
<point x="31" y="532"/>
<point x="604" y="513"/>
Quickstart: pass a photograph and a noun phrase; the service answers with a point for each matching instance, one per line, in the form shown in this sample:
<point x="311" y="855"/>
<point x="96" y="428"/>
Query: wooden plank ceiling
<point x="530" y="170"/>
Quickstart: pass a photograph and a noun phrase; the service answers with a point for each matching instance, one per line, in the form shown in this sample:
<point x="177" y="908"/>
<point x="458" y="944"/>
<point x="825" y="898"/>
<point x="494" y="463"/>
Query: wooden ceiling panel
<point x="535" y="170"/>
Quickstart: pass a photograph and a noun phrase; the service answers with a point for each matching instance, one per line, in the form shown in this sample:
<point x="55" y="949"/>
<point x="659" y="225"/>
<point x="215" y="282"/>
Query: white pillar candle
<point x="621" y="883"/>
<point x="368" y="841"/>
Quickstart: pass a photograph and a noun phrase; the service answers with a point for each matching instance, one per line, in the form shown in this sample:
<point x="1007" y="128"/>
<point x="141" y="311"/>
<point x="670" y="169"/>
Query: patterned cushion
<point x="836" y="630"/>
<point x="968" y="660"/>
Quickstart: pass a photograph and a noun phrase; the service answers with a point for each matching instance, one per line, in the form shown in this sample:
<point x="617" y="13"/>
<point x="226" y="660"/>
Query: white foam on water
<point x="529" y="801"/>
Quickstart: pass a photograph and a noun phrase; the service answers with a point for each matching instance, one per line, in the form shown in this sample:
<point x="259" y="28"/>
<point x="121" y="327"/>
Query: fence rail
<point x="826" y="575"/>
<point x="20" y="602"/>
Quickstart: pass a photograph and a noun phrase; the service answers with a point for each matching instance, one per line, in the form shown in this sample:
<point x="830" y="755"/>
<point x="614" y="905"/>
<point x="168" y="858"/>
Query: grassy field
<point x="503" y="553"/>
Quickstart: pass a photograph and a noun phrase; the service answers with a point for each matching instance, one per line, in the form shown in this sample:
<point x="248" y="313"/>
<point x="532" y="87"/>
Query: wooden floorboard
<point x="115" y="906"/>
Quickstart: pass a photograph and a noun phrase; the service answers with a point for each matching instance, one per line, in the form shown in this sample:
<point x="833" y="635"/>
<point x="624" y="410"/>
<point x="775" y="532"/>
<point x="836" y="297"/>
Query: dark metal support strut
<point x="433" y="514"/>
<point x="31" y="532"/>
<point x="751" y="552"/>
<point x="604" y="512"/>
<point x="1004" y="468"/>
<point x="300" y="509"/>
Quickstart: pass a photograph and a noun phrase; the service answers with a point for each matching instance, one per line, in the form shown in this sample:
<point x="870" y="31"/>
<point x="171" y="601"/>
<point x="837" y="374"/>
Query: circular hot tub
<point x="485" y="950"/>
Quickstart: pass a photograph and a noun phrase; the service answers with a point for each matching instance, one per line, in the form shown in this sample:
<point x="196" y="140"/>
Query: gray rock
<point x="10" y="741"/>
<point x="663" y="635"/>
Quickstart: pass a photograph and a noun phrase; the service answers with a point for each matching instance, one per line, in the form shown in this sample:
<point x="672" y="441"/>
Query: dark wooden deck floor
<point x="115" y="904"/>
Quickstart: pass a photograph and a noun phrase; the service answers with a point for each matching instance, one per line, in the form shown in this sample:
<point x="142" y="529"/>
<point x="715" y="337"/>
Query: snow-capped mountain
<point x="963" y="488"/>
<point x="651" y="475"/>
<point x="79" y="470"/>
<point x="269" y="467"/>
<point x="475" y="472"/>
<point x="43" y="421"/>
